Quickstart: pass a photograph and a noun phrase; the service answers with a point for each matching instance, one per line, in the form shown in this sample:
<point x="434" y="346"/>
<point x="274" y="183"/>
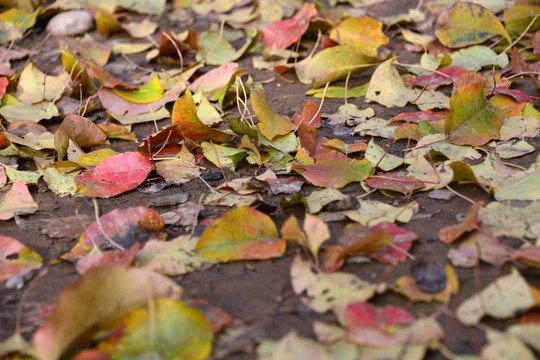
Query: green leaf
<point x="148" y="93"/>
<point x="335" y="63"/>
<point x="472" y="120"/>
<point x="336" y="92"/>
<point x="178" y="331"/>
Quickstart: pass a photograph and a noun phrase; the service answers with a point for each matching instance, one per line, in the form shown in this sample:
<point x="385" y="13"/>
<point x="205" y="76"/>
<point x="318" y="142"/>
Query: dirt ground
<point x="257" y="292"/>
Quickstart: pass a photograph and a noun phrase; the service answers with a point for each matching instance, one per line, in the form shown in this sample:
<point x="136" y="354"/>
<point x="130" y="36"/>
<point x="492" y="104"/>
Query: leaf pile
<point x="338" y="188"/>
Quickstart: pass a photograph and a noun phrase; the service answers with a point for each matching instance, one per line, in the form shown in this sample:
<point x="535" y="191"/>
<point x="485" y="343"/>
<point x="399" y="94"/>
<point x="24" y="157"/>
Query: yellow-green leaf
<point x="468" y="24"/>
<point x="335" y="63"/>
<point x="147" y="93"/>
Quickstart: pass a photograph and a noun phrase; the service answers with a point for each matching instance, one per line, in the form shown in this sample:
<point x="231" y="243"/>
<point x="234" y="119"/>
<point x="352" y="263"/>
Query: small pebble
<point x="75" y="22"/>
<point x="440" y="194"/>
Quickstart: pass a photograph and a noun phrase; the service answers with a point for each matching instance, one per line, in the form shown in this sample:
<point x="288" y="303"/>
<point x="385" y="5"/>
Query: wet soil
<point x="256" y="292"/>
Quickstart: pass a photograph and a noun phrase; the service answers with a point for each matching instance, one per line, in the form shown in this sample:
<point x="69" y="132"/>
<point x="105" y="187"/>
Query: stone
<point x="75" y="22"/>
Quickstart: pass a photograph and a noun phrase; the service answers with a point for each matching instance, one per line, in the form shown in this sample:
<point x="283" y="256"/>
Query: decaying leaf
<point x="120" y="228"/>
<point x="324" y="292"/>
<point x="16" y="201"/>
<point x="468" y="24"/>
<point x="500" y="299"/>
<point x="16" y="258"/>
<point x="242" y="233"/>
<point x="99" y="294"/>
<point x="333" y="169"/>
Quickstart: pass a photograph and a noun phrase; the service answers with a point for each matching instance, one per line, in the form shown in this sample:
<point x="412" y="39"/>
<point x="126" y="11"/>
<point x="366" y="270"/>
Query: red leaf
<point x="4" y="82"/>
<point x="416" y="117"/>
<point x="515" y="94"/>
<point x="125" y="226"/>
<point x="284" y="33"/>
<point x="393" y="315"/>
<point x="114" y="175"/>
<point x="309" y="138"/>
<point x="401" y="243"/>
<point x="129" y="167"/>
<point x="112" y="257"/>
<point x="360" y="314"/>
<point x="435" y="80"/>
<point x="309" y="115"/>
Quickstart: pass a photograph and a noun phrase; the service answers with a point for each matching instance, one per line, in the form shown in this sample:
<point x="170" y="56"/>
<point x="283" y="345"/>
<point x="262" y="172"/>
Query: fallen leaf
<point x="513" y="221"/>
<point x="333" y="169"/>
<point x="505" y="347"/>
<point x="241" y="234"/>
<point x="179" y="169"/>
<point x="293" y="347"/>
<point x="16" y="201"/>
<point x="373" y="212"/>
<point x="16" y="258"/>
<point x="472" y="119"/>
<point x="500" y="299"/>
<point x="468" y="24"/>
<point x="100" y="293"/>
<point x="80" y="130"/>
<point x="323" y="292"/>
<point x="401" y="242"/>
<point x="518" y="17"/>
<point x="399" y="182"/>
<point x="523" y="188"/>
<point x="477" y="56"/>
<point x="335" y="63"/>
<point x="116" y="257"/>
<point x="451" y="233"/>
<point x="364" y="33"/>
<point x="481" y="245"/>
<point x="173" y="258"/>
<point x="387" y="88"/>
<point x="270" y="123"/>
<point x="349" y="114"/>
<point x="317" y="233"/>
<point x="281" y="34"/>
<point x="139" y="30"/>
<point x="123" y="226"/>
<point x="308" y="115"/>
<point x="114" y="175"/>
<point x="319" y="199"/>
<point x="182" y="332"/>
<point x="380" y="158"/>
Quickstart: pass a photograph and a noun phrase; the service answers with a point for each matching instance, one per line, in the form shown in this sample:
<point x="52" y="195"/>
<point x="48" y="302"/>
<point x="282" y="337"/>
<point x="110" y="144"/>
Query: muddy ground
<point x="257" y="292"/>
